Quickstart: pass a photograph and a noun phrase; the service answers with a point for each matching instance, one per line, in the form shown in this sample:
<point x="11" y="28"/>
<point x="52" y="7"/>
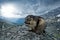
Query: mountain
<point x="20" y="21"/>
<point x="52" y="13"/>
<point x="15" y="21"/>
<point x="8" y="30"/>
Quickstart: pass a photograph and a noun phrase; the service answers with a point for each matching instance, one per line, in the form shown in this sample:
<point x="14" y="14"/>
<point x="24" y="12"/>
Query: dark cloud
<point x="32" y="1"/>
<point x="49" y="2"/>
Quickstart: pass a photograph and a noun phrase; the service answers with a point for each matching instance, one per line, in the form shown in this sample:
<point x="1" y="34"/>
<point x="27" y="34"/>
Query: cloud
<point x="58" y="15"/>
<point x="30" y="7"/>
<point x="34" y="7"/>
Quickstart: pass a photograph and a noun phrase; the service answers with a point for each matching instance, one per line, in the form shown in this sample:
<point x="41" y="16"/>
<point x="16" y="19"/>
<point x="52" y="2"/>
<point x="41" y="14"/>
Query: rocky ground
<point x="22" y="33"/>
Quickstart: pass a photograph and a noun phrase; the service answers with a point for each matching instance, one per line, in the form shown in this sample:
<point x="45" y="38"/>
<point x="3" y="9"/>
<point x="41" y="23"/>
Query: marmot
<point x="36" y="23"/>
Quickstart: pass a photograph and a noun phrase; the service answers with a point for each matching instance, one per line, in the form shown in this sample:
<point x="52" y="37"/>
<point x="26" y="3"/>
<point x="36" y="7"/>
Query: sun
<point x="7" y="10"/>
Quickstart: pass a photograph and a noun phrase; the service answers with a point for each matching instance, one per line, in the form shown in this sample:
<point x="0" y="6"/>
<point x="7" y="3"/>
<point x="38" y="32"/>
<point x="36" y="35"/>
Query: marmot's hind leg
<point x="40" y="32"/>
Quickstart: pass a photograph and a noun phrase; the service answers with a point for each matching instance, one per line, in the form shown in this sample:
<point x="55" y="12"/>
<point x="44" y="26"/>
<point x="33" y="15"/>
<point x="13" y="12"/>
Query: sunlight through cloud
<point x="8" y="11"/>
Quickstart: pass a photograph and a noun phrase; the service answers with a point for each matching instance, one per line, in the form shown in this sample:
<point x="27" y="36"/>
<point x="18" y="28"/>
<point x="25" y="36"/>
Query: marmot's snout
<point x="26" y="22"/>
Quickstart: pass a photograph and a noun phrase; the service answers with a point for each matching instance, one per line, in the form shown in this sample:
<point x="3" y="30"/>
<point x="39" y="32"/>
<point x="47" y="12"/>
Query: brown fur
<point x="36" y="23"/>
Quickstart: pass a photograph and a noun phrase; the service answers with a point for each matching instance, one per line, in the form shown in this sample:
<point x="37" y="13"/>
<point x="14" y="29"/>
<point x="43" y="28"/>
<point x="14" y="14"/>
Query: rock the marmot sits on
<point x="36" y="23"/>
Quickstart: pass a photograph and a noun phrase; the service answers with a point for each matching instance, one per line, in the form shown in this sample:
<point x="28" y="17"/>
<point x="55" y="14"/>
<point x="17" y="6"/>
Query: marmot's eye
<point x="29" y="19"/>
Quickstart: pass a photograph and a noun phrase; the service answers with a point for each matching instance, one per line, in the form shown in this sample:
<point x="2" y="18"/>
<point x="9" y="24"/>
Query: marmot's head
<point x="30" y="21"/>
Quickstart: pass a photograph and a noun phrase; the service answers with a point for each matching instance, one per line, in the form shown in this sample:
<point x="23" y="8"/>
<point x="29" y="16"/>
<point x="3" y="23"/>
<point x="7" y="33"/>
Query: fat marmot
<point x="36" y="23"/>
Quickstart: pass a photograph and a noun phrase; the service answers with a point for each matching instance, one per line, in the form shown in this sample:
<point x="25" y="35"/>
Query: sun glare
<point x="8" y="10"/>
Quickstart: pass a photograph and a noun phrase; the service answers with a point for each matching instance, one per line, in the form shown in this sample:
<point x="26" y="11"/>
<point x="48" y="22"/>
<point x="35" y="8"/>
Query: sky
<point x="16" y="9"/>
<point x="34" y="7"/>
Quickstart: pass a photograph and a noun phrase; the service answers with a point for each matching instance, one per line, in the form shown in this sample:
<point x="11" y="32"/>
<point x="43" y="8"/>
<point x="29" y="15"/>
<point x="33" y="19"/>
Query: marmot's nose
<point x="26" y="22"/>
